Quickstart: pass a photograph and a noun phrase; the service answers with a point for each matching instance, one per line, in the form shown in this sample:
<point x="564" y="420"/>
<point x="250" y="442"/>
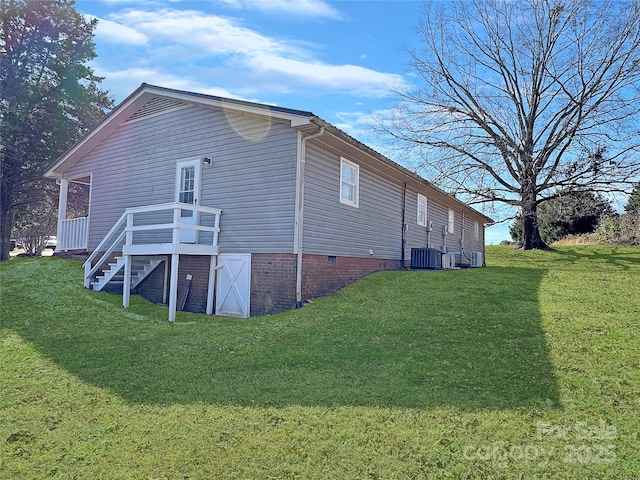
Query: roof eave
<point x="126" y="108"/>
<point x="405" y="171"/>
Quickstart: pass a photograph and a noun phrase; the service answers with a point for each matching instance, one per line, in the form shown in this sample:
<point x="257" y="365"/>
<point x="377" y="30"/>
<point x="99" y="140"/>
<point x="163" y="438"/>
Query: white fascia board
<point x="123" y="111"/>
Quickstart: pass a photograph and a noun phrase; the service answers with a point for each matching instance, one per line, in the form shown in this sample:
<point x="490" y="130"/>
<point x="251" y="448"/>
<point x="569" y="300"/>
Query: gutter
<point x="297" y="247"/>
<point x="339" y="134"/>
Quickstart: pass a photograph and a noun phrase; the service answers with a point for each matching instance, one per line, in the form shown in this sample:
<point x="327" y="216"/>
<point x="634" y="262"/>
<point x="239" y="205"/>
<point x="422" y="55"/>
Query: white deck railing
<point x="121" y="237"/>
<point x="73" y="234"/>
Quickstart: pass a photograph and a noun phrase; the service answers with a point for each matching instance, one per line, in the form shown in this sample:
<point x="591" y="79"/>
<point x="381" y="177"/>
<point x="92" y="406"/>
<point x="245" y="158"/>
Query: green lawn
<point x="529" y="368"/>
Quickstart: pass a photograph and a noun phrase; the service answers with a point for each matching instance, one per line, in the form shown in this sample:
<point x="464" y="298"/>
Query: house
<point x="231" y="207"/>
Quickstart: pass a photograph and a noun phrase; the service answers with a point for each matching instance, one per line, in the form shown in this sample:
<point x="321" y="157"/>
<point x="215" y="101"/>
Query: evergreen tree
<point x="571" y="213"/>
<point x="633" y="205"/>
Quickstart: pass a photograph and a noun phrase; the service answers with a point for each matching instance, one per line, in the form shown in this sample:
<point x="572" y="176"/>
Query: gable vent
<point x="155" y="106"/>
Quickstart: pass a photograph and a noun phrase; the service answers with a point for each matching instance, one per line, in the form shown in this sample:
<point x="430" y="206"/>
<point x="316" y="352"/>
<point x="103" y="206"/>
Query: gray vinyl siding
<point x="417" y="235"/>
<point x="464" y="241"/>
<point x="470" y="243"/>
<point x="252" y="178"/>
<point x="458" y="241"/>
<point x="332" y="228"/>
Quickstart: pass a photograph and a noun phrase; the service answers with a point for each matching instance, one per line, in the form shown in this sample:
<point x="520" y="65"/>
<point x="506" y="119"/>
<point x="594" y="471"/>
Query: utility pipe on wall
<point x="462" y="255"/>
<point x="302" y="157"/>
<point x="404" y="224"/>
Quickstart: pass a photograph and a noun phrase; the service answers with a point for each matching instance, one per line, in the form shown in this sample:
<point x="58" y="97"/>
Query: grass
<point x="529" y="368"/>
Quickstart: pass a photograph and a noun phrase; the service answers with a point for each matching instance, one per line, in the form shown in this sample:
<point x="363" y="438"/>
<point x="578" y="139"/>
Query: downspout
<point x="404" y="233"/>
<point x="484" y="247"/>
<point x="462" y="255"/>
<point x="428" y="226"/>
<point x="302" y="157"/>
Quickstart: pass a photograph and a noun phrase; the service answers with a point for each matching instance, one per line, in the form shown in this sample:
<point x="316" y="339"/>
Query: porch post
<point x="126" y="287"/>
<point x="173" y="286"/>
<point x="211" y="285"/>
<point x="62" y="212"/>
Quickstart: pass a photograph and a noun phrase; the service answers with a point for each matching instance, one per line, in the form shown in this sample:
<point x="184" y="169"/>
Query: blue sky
<point x="337" y="59"/>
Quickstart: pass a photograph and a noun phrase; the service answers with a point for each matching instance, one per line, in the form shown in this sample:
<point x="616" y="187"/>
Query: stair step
<point x="114" y="274"/>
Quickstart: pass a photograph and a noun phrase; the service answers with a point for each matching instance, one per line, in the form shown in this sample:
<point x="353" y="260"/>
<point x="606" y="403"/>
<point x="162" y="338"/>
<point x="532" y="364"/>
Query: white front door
<point x="233" y="284"/>
<point x="188" y="176"/>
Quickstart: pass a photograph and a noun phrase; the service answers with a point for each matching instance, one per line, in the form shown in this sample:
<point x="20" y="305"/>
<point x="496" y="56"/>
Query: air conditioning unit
<point x="448" y="260"/>
<point x="476" y="259"/>
<point x="457" y="259"/>
<point x="425" y="258"/>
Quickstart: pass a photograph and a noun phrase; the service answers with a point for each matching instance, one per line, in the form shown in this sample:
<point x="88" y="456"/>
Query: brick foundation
<point x="320" y="277"/>
<point x="273" y="283"/>
<point x="273" y="279"/>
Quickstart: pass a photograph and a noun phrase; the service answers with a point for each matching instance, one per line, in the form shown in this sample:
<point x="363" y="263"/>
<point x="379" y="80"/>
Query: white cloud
<point x="356" y="79"/>
<point x="365" y="125"/>
<point x="122" y="82"/>
<point x="241" y="52"/>
<point x="210" y="34"/>
<point x="113" y="32"/>
<point x="206" y="35"/>
<point x="306" y="8"/>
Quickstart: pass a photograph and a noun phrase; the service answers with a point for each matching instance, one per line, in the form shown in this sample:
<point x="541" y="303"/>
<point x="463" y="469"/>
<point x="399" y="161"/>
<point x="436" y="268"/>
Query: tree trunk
<point x="531" y="239"/>
<point x="6" y="221"/>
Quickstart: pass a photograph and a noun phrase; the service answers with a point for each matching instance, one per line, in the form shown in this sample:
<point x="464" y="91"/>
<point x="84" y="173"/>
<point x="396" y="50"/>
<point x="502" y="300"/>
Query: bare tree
<point x="517" y="101"/>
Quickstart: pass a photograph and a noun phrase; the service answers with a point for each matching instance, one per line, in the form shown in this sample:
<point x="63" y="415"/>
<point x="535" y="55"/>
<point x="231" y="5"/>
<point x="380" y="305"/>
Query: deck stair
<point x="141" y="267"/>
<point x="144" y="237"/>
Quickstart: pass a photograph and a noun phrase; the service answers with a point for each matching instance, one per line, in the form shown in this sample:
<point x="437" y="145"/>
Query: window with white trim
<point x="349" y="182"/>
<point x="476" y="231"/>
<point x="452" y="221"/>
<point x="422" y="211"/>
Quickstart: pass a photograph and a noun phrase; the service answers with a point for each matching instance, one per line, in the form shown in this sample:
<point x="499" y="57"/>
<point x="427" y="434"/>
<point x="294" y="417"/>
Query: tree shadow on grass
<point x="625" y="257"/>
<point x="471" y="339"/>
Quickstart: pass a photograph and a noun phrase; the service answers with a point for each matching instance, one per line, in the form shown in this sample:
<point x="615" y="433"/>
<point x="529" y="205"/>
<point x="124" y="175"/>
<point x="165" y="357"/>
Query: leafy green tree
<point x="633" y="205"/>
<point x="49" y="97"/>
<point x="571" y="213"/>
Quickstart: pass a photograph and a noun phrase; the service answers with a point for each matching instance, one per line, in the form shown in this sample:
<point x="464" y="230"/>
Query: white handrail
<point x="98" y="249"/>
<point x="88" y="271"/>
<point x="171" y="206"/>
<point x="167" y="226"/>
<point x="126" y="223"/>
